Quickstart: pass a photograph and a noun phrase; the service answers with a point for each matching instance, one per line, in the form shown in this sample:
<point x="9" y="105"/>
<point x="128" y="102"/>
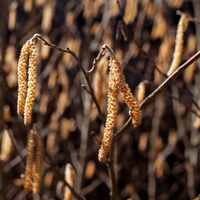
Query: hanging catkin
<point x="70" y="176"/>
<point x="38" y="162"/>
<point x="29" y="162"/>
<point x="132" y="103"/>
<point x="111" y="118"/>
<point x="178" y="46"/>
<point x="32" y="72"/>
<point x="22" y="77"/>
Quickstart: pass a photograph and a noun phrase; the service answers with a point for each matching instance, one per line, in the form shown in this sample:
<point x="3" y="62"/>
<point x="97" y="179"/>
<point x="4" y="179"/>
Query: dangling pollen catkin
<point x="39" y="159"/>
<point x="178" y="47"/>
<point x="22" y="77"/>
<point x="132" y="103"/>
<point x="29" y="162"/>
<point x="32" y="72"/>
<point x="111" y="118"/>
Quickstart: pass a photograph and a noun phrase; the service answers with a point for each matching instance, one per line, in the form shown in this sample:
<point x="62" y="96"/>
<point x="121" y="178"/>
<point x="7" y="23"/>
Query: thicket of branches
<point x="157" y="46"/>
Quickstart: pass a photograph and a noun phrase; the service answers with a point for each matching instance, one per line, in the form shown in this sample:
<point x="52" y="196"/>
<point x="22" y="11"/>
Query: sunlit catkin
<point x="32" y="73"/>
<point x="111" y="118"/>
<point x="132" y="103"/>
<point x="131" y="11"/>
<point x="70" y="179"/>
<point x="29" y="162"/>
<point x="38" y="162"/>
<point x="12" y="15"/>
<point x="140" y="92"/>
<point x="22" y="77"/>
<point x="6" y="146"/>
<point x="178" y="47"/>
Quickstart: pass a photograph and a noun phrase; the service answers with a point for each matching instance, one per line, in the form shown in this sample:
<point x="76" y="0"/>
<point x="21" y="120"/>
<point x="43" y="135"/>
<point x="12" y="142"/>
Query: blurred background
<point x="157" y="160"/>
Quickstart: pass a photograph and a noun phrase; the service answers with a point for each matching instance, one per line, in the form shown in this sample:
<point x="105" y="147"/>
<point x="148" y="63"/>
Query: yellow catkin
<point x="131" y="11"/>
<point x="129" y="99"/>
<point x="70" y="179"/>
<point x="45" y="50"/>
<point x="32" y="72"/>
<point x="189" y="73"/>
<point x="29" y="162"/>
<point x="6" y="113"/>
<point x="28" y="5"/>
<point x="12" y="15"/>
<point x="47" y="17"/>
<point x="51" y="141"/>
<point x="38" y="162"/>
<point x="111" y="118"/>
<point x="140" y="92"/>
<point x="6" y="146"/>
<point x="178" y="47"/>
<point x="98" y="80"/>
<point x="90" y="169"/>
<point x="22" y="77"/>
<point x="176" y="3"/>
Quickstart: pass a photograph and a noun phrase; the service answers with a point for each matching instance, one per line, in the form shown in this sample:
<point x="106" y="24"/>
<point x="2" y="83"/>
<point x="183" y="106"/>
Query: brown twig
<point x="67" y="50"/>
<point x="110" y="165"/>
<point x="192" y="19"/>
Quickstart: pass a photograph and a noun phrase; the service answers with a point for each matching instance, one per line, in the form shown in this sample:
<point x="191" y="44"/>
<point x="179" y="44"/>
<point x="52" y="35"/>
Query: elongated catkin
<point x="32" y="72"/>
<point x="111" y="118"/>
<point x="39" y="159"/>
<point x="29" y="162"/>
<point x="178" y="47"/>
<point x="70" y="179"/>
<point x="132" y="103"/>
<point x="22" y="77"/>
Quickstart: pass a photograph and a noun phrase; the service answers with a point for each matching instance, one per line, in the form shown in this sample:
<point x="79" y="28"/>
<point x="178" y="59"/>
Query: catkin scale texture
<point x="111" y="118"/>
<point x="39" y="159"/>
<point x="22" y="77"/>
<point x="178" y="47"/>
<point x="32" y="72"/>
<point x="132" y="103"/>
<point x="29" y="162"/>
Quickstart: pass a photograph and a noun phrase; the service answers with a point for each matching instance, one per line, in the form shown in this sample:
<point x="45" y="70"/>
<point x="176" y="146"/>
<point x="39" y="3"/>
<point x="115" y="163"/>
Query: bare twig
<point x="192" y="19"/>
<point x="110" y="165"/>
<point x="67" y="50"/>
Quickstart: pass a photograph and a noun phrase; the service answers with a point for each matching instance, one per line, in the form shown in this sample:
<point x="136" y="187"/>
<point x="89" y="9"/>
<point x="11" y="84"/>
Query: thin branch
<point x="110" y="165"/>
<point x="67" y="50"/>
<point x="192" y="19"/>
<point x="153" y="95"/>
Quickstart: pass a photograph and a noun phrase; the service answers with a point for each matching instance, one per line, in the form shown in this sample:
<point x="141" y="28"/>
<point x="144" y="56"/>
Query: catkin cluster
<point x="29" y="49"/>
<point x="30" y="161"/>
<point x="117" y="81"/>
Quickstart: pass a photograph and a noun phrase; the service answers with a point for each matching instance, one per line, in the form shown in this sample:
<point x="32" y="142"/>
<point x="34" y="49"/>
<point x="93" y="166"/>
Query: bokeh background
<point x="157" y="160"/>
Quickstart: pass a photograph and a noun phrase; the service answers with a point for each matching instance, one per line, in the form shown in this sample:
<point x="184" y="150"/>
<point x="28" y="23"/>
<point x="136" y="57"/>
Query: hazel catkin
<point x="32" y="72"/>
<point x="22" y="77"/>
<point x="38" y="162"/>
<point x="111" y="118"/>
<point x="29" y="162"/>
<point x="132" y="103"/>
<point x="178" y="47"/>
